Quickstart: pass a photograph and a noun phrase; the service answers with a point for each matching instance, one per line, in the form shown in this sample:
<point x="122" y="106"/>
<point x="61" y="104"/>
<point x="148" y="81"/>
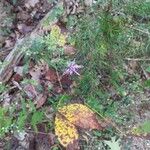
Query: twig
<point x="140" y="30"/>
<point x="145" y="73"/>
<point x="59" y="103"/>
<point x="138" y="59"/>
<point x="59" y="79"/>
<point x="37" y="132"/>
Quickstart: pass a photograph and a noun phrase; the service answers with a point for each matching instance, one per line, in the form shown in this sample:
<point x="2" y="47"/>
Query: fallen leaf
<point x="38" y="71"/>
<point x="51" y="75"/>
<point x="16" y="77"/>
<point x="30" y="91"/>
<point x="6" y="100"/>
<point x="81" y="116"/>
<point x="73" y="146"/>
<point x="113" y="144"/>
<point x="69" y="50"/>
<point x="131" y="67"/>
<point x="23" y="28"/>
<point x="23" y="15"/>
<point x="69" y="118"/>
<point x="66" y="132"/>
<point x="66" y="81"/>
<point x="19" y="70"/>
<point x="20" y="135"/>
<point x="58" y="89"/>
<point x="9" y="43"/>
<point x="88" y="2"/>
<point x="31" y="3"/>
<point x="41" y="99"/>
<point x="44" y="141"/>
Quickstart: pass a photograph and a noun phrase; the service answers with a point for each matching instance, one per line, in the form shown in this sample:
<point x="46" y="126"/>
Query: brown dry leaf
<point x="9" y="43"/>
<point x="88" y="2"/>
<point x="66" y="81"/>
<point x="51" y="75"/>
<point x="66" y="132"/>
<point x="30" y="91"/>
<point x="23" y="28"/>
<point x="73" y="146"/>
<point x="43" y="139"/>
<point x="38" y="71"/>
<point x="6" y="100"/>
<point x="69" y="50"/>
<point x="16" y="77"/>
<point x="81" y="116"/>
<point x="131" y="67"/>
<point x="41" y="99"/>
<point x="23" y="15"/>
<point x="31" y="3"/>
<point x="58" y="89"/>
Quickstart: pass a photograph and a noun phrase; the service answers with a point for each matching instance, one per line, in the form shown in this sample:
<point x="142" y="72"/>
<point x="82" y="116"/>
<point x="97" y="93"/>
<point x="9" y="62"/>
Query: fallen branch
<point x="24" y="44"/>
<point x="138" y="59"/>
<point x="139" y="30"/>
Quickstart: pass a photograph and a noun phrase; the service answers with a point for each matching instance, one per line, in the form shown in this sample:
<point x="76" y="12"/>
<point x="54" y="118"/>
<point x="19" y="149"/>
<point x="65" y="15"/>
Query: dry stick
<point x="36" y="132"/>
<point x="110" y="122"/>
<point x="145" y="73"/>
<point x="140" y="30"/>
<point x="138" y="59"/>
<point x="59" y="79"/>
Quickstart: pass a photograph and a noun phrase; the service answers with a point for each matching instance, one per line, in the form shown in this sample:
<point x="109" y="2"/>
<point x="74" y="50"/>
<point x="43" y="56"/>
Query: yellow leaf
<point x="81" y="116"/>
<point x="65" y="131"/>
<point x="69" y="118"/>
<point x="62" y="40"/>
<point x="55" y="31"/>
<point x="57" y="35"/>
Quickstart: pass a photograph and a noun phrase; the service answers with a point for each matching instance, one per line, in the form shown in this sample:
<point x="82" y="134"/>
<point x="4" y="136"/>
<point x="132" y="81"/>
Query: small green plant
<point x="139" y="8"/>
<point x="37" y="117"/>
<point x="49" y="48"/>
<point x="2" y="88"/>
<point x="143" y="129"/>
<point x="12" y="120"/>
<point x="5" y="121"/>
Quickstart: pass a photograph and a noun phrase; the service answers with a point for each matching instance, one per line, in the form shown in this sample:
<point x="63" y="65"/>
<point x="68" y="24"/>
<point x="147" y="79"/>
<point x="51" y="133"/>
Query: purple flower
<point x="72" y="68"/>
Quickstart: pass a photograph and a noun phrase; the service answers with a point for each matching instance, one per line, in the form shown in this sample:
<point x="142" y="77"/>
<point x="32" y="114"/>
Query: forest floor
<point x="74" y="75"/>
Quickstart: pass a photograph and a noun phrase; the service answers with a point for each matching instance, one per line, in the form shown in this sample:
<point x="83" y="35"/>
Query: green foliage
<point x="12" y="119"/>
<point x="5" y="121"/>
<point x="54" y="15"/>
<point x="48" y="48"/>
<point x="148" y="69"/>
<point x="2" y="88"/>
<point x="141" y="8"/>
<point x="142" y="129"/>
<point x="103" y="39"/>
<point x="21" y="120"/>
<point x="113" y="144"/>
<point x="37" y="118"/>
